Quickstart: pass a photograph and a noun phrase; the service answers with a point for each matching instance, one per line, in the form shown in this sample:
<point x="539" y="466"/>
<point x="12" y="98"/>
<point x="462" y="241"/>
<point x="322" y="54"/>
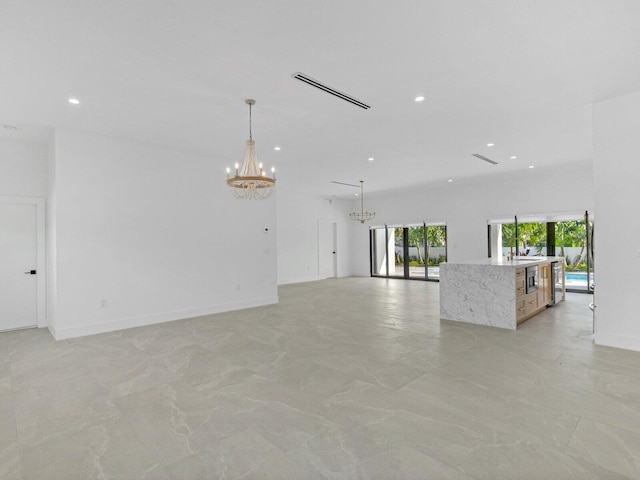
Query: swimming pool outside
<point x="577" y="279"/>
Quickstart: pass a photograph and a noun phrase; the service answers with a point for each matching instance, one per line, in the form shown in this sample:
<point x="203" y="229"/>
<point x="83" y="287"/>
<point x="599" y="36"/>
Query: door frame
<point x="41" y="299"/>
<point x="334" y="239"/>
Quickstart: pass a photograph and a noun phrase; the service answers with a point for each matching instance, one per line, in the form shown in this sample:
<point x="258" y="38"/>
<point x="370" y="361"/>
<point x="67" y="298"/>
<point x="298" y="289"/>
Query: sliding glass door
<point x="412" y="252"/>
<point x="378" y="249"/>
<point x="532" y="238"/>
<point x="417" y="252"/>
<point x="436" y="249"/>
<point x="574" y="243"/>
<point x="401" y="260"/>
<point x="529" y="240"/>
<point x="570" y="238"/>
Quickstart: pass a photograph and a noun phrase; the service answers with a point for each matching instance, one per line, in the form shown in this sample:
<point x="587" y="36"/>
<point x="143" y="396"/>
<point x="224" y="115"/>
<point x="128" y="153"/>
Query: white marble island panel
<point x="483" y="291"/>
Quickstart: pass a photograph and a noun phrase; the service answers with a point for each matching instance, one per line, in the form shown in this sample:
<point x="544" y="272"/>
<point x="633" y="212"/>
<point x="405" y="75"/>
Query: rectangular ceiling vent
<point x="485" y="159"/>
<point x="326" y="88"/>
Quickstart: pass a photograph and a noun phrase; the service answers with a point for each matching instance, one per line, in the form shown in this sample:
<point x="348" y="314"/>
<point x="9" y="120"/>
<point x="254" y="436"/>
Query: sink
<point x="533" y="259"/>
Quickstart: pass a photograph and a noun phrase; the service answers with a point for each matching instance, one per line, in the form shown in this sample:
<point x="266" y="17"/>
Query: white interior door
<point x="18" y="264"/>
<point x="327" y="254"/>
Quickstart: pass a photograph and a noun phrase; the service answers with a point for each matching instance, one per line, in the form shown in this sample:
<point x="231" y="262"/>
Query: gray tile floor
<point x="350" y="378"/>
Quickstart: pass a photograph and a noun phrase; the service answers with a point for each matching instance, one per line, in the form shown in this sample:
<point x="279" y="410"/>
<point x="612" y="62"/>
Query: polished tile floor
<point x="349" y="378"/>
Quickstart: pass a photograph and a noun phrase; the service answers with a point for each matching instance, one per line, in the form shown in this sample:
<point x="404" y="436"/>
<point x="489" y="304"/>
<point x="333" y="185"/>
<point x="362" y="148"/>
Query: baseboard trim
<point x="290" y="281"/>
<point x="310" y="278"/>
<point x="617" y="341"/>
<point x="141" y="321"/>
<point x="360" y="274"/>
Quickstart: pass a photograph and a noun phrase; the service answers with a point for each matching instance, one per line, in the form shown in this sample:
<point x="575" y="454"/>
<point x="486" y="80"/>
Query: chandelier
<point x="362" y="216"/>
<point x="250" y="181"/>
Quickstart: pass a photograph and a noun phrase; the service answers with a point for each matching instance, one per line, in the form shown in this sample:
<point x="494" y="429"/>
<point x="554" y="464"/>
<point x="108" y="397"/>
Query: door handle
<point x="30" y="272"/>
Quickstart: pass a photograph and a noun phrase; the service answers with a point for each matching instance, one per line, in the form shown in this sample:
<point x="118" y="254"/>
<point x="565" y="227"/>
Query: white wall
<point x="298" y="216"/>
<point x="23" y="167"/>
<point x="616" y="123"/>
<point x="51" y="236"/>
<point x="152" y="233"/>
<point x="466" y="206"/>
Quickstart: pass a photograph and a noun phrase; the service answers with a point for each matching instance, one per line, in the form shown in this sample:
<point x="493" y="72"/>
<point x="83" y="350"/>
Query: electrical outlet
<point x="637" y="252"/>
<point x="103" y="303"/>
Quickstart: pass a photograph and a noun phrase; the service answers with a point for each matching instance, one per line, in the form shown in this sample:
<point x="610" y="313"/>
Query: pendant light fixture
<point x="362" y="216"/>
<point x="250" y="180"/>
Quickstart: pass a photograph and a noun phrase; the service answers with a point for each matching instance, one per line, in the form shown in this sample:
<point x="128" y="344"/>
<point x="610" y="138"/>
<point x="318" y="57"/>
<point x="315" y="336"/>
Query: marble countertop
<point x="517" y="262"/>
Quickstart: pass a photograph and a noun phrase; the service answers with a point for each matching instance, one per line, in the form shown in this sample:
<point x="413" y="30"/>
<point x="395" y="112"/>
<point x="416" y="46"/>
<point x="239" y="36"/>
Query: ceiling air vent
<point x="485" y="159"/>
<point x="336" y="93"/>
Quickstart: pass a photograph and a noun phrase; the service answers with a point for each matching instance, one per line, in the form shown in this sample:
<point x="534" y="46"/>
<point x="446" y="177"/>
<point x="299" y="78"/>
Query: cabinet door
<point x="548" y="287"/>
<point x="541" y="293"/>
<point x="520" y="308"/>
<point x="544" y="285"/>
<point x="530" y="303"/>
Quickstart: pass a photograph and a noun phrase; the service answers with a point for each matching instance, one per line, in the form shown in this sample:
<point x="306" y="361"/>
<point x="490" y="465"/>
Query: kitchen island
<point x="498" y="292"/>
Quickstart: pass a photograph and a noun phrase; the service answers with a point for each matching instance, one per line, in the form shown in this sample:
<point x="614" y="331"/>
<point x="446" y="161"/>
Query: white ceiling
<point x="520" y="74"/>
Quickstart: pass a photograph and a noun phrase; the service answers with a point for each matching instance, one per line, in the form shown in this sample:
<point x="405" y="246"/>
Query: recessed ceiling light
<point x="371" y="159"/>
<point x="74" y="101"/>
<point x="9" y="127"/>
<point x="419" y="98"/>
<point x="490" y="144"/>
<point x="276" y="148"/>
<point x="356" y="194"/>
<point x="513" y="158"/>
<point x="532" y="166"/>
<point x="450" y="180"/>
